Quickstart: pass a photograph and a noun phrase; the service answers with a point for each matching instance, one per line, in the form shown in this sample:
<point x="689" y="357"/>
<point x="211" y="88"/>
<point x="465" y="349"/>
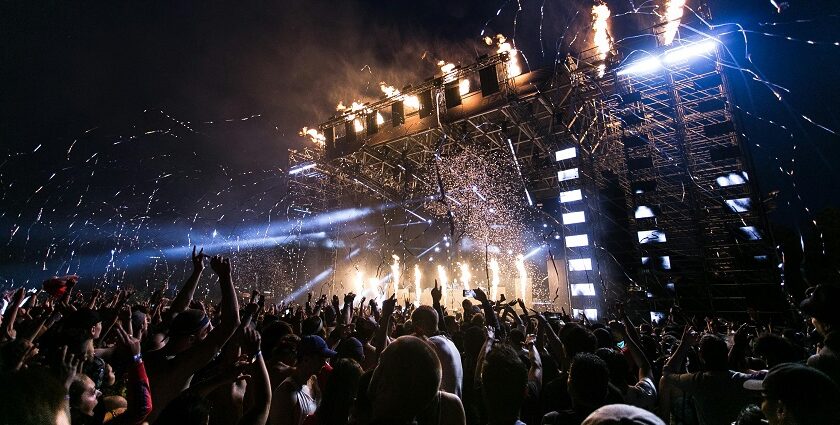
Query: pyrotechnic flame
<point x="464" y="87"/>
<point x="314" y="135"/>
<point x="466" y="275"/>
<point x="359" y="283"/>
<point x="357" y="125"/>
<point x="513" y="68"/>
<point x="379" y="119"/>
<point x="446" y="67"/>
<point x="494" y="279"/>
<point x="417" y="278"/>
<point x="355" y="106"/>
<point x="395" y="272"/>
<point x="673" y="14"/>
<point x="412" y="102"/>
<point x="600" y="14"/>
<point x="443" y="281"/>
<point x="523" y="277"/>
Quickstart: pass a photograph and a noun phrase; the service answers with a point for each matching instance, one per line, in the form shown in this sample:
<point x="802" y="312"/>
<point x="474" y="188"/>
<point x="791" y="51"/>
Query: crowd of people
<point x="79" y="357"/>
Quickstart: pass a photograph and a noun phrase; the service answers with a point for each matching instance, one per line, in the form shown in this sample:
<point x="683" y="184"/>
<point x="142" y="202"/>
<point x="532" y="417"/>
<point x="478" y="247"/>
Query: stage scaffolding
<point x="667" y="209"/>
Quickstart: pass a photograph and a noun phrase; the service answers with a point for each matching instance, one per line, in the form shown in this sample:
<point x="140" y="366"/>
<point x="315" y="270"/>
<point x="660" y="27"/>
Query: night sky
<point x="136" y="127"/>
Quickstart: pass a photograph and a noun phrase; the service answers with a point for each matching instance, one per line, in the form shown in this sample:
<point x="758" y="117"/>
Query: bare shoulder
<point x="452" y="410"/>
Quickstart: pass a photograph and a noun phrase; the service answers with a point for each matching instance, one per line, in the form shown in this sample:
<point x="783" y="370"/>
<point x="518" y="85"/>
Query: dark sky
<point x="137" y="109"/>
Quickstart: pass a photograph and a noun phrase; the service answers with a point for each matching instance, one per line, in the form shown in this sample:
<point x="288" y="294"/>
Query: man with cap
<point x="192" y="344"/>
<point x="821" y="306"/>
<point x="796" y="394"/>
<point x="622" y="414"/>
<point x="294" y="399"/>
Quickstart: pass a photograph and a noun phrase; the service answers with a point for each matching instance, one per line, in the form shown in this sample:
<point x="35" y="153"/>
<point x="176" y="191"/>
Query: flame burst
<point x="446" y="67"/>
<point x="600" y="14"/>
<point x="314" y="135"/>
<point x="522" y="283"/>
<point x="466" y="275"/>
<point x="513" y="68"/>
<point x="412" y="102"/>
<point x="417" y="278"/>
<point x="443" y="281"/>
<point x="463" y="87"/>
<point x="494" y="279"/>
<point x="395" y="273"/>
<point x="673" y="14"/>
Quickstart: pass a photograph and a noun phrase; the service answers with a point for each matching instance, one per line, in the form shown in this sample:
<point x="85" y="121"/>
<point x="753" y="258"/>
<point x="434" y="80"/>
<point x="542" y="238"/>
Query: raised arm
<point x="437" y="294"/>
<point x="535" y="373"/>
<point x="204" y="351"/>
<point x="636" y="353"/>
<point x="380" y="338"/>
<point x="555" y="345"/>
<point x="260" y="385"/>
<point x="185" y="295"/>
<point x="138" y="392"/>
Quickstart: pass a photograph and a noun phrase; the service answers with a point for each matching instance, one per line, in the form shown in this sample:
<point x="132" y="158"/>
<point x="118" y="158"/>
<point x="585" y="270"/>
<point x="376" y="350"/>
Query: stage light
<point x="644" y="66"/>
<point x="302" y="168"/>
<point x="692" y="50"/>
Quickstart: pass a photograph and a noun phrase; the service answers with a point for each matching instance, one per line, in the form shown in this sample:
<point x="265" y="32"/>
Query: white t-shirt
<point x="450" y="363"/>
<point x="643" y="394"/>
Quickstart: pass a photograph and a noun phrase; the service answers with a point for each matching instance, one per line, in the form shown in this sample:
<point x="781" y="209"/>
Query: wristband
<point x="257" y="355"/>
<point x="138" y="358"/>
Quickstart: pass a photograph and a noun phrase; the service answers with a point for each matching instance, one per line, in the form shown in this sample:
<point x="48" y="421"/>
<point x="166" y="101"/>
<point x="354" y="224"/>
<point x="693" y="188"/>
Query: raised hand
<point x="389" y="304"/>
<point x="437" y="294"/>
<point x="127" y="342"/>
<point x="618" y="327"/>
<point x="689" y="336"/>
<point x="221" y="266"/>
<point x="480" y="295"/>
<point x="198" y="260"/>
<point x="68" y="367"/>
<point x="348" y="298"/>
<point x="251" y="341"/>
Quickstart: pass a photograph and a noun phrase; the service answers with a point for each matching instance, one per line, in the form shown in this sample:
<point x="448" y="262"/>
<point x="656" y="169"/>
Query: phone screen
<point x="469" y="293"/>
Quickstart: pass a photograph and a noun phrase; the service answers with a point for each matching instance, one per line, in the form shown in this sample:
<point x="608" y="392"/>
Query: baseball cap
<point x="351" y="348"/>
<point x="822" y="303"/>
<point x="188" y="322"/>
<point x="314" y="345"/>
<point x="621" y="414"/>
<point x="796" y="384"/>
<point x="311" y="325"/>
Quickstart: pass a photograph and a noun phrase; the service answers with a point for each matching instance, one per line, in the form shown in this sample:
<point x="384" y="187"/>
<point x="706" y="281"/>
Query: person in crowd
<point x="588" y="386"/>
<point x="821" y="306"/>
<point x="796" y="394"/>
<point x="339" y="394"/>
<point x="718" y="392"/>
<point x="193" y="341"/>
<point x="426" y="322"/>
<point x="403" y="395"/>
<point x="504" y="385"/>
<point x="294" y="398"/>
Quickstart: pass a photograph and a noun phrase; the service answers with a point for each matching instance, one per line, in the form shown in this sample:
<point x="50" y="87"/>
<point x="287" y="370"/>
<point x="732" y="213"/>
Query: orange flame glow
<point x="313" y="135"/>
<point x="600" y="14"/>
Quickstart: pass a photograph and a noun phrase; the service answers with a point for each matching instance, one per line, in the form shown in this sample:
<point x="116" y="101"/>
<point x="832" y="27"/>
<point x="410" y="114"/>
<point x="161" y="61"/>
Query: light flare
<point x="379" y="119"/>
<point x="395" y="273"/>
<point x="446" y="67"/>
<point x="463" y="87"/>
<point x="359" y="283"/>
<point x="466" y="275"/>
<point x="522" y="282"/>
<point x="600" y="15"/>
<point x="417" y="279"/>
<point x="443" y="282"/>
<point x="494" y="279"/>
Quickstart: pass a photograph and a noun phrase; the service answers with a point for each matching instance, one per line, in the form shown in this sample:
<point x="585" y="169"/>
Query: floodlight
<point x="644" y="66"/>
<point x="302" y="168"/>
<point x="692" y="50"/>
